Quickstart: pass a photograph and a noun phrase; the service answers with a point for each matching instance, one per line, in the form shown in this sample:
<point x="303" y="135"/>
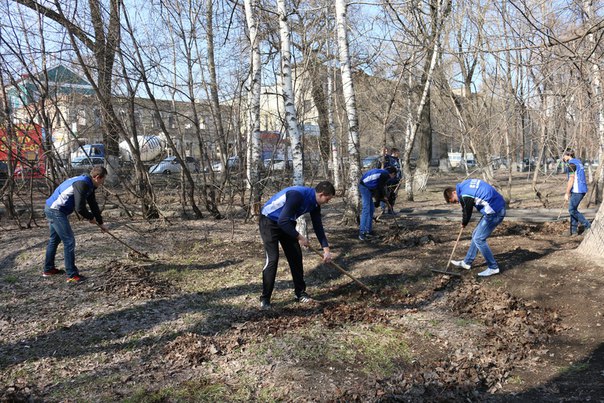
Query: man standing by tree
<point x="373" y="185"/>
<point x="576" y="187"/>
<point x="477" y="193"/>
<point x="278" y="226"/>
<point x="71" y="195"/>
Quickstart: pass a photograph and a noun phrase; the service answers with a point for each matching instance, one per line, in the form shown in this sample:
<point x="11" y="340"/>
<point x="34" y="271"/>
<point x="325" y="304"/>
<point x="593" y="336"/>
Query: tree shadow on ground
<point x="581" y="382"/>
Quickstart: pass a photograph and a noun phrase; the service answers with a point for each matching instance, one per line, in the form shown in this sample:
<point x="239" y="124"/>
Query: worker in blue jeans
<point x="71" y="195"/>
<point x="576" y="188"/>
<point x="373" y="185"/>
<point x="475" y="193"/>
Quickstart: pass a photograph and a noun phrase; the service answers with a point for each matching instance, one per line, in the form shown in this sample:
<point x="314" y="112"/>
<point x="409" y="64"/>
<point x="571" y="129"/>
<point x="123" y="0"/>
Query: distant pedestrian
<point x="278" y="226"/>
<point x="479" y="194"/>
<point x="373" y="190"/>
<point x="576" y="187"/>
<point x="393" y="183"/>
<point x="71" y="195"/>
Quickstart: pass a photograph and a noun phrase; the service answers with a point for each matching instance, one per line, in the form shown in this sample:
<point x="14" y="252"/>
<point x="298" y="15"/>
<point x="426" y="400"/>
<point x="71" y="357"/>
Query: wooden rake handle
<point x="454" y="247"/>
<point x="124" y="243"/>
<point x="337" y="266"/>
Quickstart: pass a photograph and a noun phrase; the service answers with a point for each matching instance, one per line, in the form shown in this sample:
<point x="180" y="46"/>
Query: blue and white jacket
<point x="286" y="206"/>
<point x="477" y="193"/>
<point x="376" y="180"/>
<point x="73" y="194"/>
<point x="575" y="168"/>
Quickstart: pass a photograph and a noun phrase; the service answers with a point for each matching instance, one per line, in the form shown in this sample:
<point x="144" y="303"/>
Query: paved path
<point x="536" y="215"/>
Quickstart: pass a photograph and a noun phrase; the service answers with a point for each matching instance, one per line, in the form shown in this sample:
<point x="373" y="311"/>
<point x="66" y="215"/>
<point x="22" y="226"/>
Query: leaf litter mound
<point x="131" y="281"/>
<point x="512" y="333"/>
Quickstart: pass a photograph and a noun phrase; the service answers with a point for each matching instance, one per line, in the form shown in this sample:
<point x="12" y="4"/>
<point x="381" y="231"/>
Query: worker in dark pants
<point x="476" y="193"/>
<point x="278" y="226"/>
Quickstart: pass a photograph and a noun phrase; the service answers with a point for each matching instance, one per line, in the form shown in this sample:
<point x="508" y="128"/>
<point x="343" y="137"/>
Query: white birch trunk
<point x="335" y="160"/>
<point x="291" y="117"/>
<point x="350" y="104"/>
<point x="597" y="88"/>
<point x="253" y="152"/>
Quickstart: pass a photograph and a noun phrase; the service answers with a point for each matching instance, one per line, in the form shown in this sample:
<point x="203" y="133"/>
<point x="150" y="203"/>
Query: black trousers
<point x="272" y="236"/>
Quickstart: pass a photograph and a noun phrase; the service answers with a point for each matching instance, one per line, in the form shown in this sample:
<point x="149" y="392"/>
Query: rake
<point x="446" y="271"/>
<point x="136" y="252"/>
<point x="337" y="266"/>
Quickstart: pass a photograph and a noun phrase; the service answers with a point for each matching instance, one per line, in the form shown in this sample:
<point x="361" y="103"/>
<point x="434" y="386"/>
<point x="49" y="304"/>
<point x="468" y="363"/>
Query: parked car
<point x="527" y="165"/>
<point x="369" y="161"/>
<point x="233" y="164"/>
<point x="278" y="164"/>
<point x="84" y="165"/>
<point x="170" y="165"/>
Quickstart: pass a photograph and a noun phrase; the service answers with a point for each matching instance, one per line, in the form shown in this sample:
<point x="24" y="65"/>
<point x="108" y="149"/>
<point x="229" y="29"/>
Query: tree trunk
<point x="593" y="243"/>
<point x="422" y="170"/>
<point x="253" y="156"/>
<point x="291" y="116"/>
<point x="335" y="159"/>
<point x="351" y="106"/>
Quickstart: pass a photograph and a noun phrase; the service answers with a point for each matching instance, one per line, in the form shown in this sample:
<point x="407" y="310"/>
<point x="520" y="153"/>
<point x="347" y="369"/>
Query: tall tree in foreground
<point x="103" y="43"/>
<point x="253" y="138"/>
<point x="350" y="104"/>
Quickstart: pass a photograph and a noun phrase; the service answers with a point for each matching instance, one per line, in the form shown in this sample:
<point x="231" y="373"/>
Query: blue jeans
<point x="60" y="231"/>
<point x="479" y="239"/>
<point x="367" y="209"/>
<point x="575" y="216"/>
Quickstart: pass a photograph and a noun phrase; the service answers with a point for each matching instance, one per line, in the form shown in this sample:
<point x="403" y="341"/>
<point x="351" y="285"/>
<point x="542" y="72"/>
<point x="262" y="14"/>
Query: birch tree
<point x="253" y="151"/>
<point x="350" y="104"/>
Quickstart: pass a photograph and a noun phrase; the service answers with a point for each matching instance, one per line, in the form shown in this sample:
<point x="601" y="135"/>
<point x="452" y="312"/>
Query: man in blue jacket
<point x="71" y="195"/>
<point x="576" y="187"/>
<point x="373" y="185"/>
<point x="475" y="193"/>
<point x="278" y="226"/>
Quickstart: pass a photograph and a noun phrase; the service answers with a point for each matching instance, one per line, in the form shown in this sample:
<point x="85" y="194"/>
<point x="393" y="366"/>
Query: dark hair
<point x="448" y="193"/>
<point x="326" y="188"/>
<point x="391" y="169"/>
<point x="394" y="150"/>
<point x="98" y="170"/>
<point x="570" y="152"/>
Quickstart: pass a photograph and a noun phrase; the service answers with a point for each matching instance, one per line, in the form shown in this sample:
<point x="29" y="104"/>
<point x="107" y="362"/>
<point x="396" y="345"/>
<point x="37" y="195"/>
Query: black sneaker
<point x="304" y="298"/>
<point x="265" y="304"/>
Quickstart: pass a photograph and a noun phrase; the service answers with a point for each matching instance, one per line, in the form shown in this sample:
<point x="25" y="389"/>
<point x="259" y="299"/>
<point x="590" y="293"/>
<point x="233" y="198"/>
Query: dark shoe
<point x="304" y="298"/>
<point x="52" y="272"/>
<point x="265" y="304"/>
<point x="363" y="237"/>
<point x="77" y="279"/>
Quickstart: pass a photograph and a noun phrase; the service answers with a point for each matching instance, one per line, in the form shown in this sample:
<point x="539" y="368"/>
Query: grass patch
<point x="375" y="349"/>
<point x="192" y="391"/>
<point x="574" y="369"/>
<point x="10" y="279"/>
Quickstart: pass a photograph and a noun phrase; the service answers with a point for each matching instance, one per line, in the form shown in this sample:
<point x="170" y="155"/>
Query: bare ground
<point x="184" y="325"/>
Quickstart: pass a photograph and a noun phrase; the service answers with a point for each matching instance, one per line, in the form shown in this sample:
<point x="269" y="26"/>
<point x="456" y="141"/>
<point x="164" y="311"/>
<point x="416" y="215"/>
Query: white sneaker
<point x="488" y="272"/>
<point x="461" y="263"/>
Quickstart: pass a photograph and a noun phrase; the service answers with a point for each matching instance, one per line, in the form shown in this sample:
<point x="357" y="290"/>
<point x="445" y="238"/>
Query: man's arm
<point x="317" y="224"/>
<point x="380" y="190"/>
<point x="80" y="189"/>
<point x="467" y="206"/>
<point x="94" y="207"/>
<point x="287" y="218"/>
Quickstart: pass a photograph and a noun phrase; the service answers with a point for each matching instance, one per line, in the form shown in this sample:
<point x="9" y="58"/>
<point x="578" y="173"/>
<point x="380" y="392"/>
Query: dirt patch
<point x="127" y="280"/>
<point x="185" y="324"/>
